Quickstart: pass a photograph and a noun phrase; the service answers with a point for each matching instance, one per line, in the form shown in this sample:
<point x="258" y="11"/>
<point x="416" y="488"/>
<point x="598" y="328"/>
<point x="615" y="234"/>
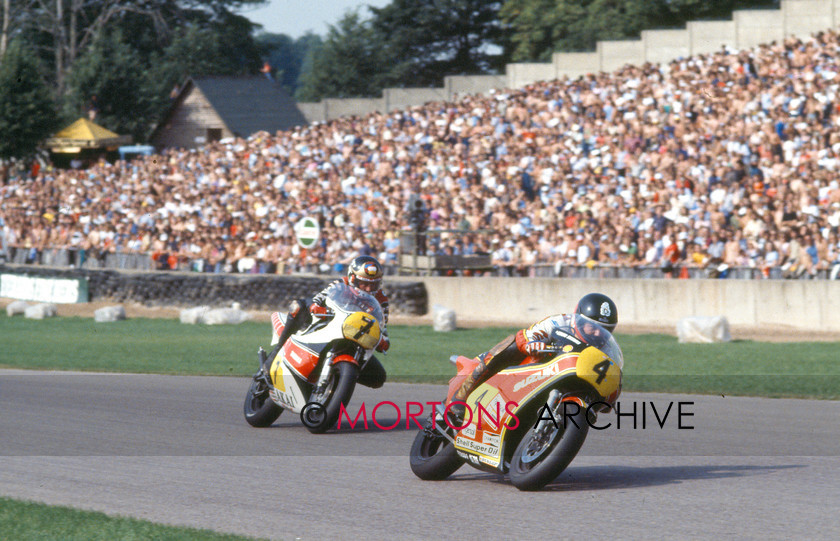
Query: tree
<point x="539" y="27"/>
<point x="351" y="62"/>
<point x="431" y="39"/>
<point x="286" y="56"/>
<point x="5" y="25"/>
<point x="27" y="110"/>
<point x="132" y="80"/>
<point x="66" y="28"/>
<point x="112" y="72"/>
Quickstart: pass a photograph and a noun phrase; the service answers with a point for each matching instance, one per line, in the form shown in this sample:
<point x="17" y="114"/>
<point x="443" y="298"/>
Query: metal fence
<point x="413" y="265"/>
<point x="61" y="257"/>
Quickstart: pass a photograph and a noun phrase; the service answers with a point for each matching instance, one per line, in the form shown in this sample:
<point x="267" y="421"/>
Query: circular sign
<point x="307" y="232"/>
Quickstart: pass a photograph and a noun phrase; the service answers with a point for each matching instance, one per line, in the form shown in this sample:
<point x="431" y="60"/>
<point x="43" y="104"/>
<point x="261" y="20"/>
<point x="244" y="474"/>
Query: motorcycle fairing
<point x="363" y="329"/>
<point x="501" y="397"/>
<point x="289" y="370"/>
<point x="523" y="384"/>
<point x="601" y="372"/>
<point x="278" y="323"/>
<point x="287" y="389"/>
<point x="300" y="356"/>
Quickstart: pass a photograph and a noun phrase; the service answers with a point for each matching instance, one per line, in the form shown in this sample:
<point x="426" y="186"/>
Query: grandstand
<point x="717" y="164"/>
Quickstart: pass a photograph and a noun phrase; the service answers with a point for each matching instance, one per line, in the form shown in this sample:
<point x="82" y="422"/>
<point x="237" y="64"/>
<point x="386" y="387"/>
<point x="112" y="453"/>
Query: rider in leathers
<point x="364" y="273"/>
<point x="531" y="341"/>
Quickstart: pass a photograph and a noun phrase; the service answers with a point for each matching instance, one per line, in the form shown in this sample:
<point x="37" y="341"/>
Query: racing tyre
<point x="544" y="453"/>
<point x="433" y="457"/>
<point x="321" y="413"/>
<point x="260" y="411"/>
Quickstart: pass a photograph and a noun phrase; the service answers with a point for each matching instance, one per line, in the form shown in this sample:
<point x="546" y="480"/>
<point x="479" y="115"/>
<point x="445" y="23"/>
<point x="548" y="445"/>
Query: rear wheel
<point x="546" y="450"/>
<point x="324" y="407"/>
<point x="433" y="457"/>
<point x="260" y="411"/>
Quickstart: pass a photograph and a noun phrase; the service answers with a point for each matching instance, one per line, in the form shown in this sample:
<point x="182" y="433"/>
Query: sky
<point x="295" y="17"/>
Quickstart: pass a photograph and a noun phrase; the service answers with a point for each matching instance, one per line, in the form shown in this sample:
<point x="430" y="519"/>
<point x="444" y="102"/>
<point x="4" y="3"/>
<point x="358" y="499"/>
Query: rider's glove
<point x="383" y="345"/>
<point x="317" y="310"/>
<point x="534" y="348"/>
<point x="540" y="335"/>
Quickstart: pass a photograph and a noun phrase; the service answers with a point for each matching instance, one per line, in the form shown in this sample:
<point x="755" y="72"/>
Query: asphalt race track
<point x="176" y="450"/>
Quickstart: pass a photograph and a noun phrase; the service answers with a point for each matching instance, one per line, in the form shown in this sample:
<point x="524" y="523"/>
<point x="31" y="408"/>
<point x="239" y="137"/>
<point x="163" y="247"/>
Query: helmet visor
<point x="594" y="334"/>
<point x="367" y="285"/>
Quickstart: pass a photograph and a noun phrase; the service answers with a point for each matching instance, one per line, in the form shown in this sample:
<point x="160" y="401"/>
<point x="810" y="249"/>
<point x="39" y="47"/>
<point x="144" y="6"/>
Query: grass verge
<point x="653" y="362"/>
<point x="30" y="521"/>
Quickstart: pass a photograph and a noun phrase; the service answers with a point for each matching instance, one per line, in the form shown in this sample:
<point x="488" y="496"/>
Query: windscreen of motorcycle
<point x="590" y="332"/>
<point x="364" y="314"/>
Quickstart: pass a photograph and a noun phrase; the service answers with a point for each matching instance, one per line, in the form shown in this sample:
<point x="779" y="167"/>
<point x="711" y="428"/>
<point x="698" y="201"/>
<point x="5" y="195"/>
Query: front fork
<point x="556" y="405"/>
<point x="553" y="404"/>
<point x="324" y="376"/>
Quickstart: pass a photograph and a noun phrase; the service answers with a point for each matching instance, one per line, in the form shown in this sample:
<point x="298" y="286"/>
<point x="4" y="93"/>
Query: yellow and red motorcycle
<point x="528" y="421"/>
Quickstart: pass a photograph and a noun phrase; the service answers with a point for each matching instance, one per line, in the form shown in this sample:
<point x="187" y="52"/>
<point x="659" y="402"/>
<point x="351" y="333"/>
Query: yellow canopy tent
<point x="85" y="134"/>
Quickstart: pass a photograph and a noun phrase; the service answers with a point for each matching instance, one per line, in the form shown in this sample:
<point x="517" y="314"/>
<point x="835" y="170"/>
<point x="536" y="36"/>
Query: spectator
<point x="611" y="168"/>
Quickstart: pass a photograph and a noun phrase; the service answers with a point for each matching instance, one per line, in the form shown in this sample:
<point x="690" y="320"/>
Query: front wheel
<point x="260" y="411"/>
<point x="337" y="391"/>
<point x="546" y="450"/>
<point x="433" y="457"/>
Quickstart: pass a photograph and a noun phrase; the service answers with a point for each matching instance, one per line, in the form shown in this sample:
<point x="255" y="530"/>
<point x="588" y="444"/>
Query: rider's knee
<point x="294" y="308"/>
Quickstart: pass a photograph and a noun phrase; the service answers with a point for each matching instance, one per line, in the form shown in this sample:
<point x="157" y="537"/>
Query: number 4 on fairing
<point x="531" y="448"/>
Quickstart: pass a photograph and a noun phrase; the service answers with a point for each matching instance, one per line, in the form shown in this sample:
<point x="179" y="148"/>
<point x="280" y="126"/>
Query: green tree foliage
<point x="27" y="110"/>
<point x="286" y="56"/>
<point x="111" y="73"/>
<point x="352" y="61"/>
<point x="540" y="27"/>
<point x="200" y="52"/>
<point x="130" y="54"/>
<point x="431" y="39"/>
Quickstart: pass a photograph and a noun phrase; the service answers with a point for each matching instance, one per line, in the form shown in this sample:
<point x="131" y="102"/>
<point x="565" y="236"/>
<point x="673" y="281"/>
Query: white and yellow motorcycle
<point x="316" y="370"/>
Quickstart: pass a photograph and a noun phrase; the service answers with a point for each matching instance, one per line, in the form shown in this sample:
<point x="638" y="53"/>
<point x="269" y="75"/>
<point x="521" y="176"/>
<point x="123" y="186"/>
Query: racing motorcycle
<point x="528" y="421"/>
<point x="316" y="370"/>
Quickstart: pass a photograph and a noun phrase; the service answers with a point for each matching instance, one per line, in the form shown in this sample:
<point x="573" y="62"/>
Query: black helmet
<point x="600" y="308"/>
<point x="365" y="273"/>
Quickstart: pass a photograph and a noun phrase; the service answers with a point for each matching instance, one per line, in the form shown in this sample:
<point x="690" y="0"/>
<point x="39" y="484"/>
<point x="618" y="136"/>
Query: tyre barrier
<point x="184" y="289"/>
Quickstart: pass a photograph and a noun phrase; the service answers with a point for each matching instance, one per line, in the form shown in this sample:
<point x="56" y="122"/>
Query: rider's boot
<point x="498" y="357"/>
<point x="456" y="405"/>
<point x="294" y="321"/>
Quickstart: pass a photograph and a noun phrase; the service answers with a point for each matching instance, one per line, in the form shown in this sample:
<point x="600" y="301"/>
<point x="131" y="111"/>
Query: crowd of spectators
<point x="727" y="159"/>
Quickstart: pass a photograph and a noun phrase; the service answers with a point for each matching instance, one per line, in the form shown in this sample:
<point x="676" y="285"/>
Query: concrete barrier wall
<point x="313" y="111"/>
<point x="574" y="65"/>
<point x="748" y="28"/>
<point x="755" y="27"/>
<point x="801" y="17"/>
<point x="520" y="301"/>
<point x="503" y="301"/>
<point x="706" y="37"/>
<point x="402" y="98"/>
<point x="616" y="54"/>
<point x="525" y="73"/>
<point x="336" y="108"/>
<point x="472" y="84"/>
<point x="666" y="45"/>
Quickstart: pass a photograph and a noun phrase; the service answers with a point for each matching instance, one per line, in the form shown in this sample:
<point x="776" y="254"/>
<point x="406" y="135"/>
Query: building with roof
<point x="209" y="109"/>
<point x="84" y="142"/>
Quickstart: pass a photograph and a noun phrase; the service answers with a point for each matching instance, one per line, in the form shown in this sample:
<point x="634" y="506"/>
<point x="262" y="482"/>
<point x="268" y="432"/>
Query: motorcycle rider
<point x="364" y="273"/>
<point x="511" y="351"/>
